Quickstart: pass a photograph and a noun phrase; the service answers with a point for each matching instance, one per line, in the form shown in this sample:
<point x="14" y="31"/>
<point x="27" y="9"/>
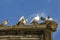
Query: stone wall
<point x="20" y="37"/>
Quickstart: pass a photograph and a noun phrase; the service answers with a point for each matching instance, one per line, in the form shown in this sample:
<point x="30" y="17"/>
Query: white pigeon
<point x="24" y="20"/>
<point x="49" y="18"/>
<point x="21" y="18"/>
<point x="5" y="22"/>
<point x="37" y="18"/>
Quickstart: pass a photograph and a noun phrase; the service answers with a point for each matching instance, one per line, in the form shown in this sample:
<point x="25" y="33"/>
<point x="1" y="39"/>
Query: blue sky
<point x="14" y="9"/>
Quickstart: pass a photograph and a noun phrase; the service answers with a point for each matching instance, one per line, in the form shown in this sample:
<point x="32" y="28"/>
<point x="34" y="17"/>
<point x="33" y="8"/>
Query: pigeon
<point x="5" y="22"/>
<point x="49" y="18"/>
<point x="36" y="19"/>
<point x="23" y="20"/>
